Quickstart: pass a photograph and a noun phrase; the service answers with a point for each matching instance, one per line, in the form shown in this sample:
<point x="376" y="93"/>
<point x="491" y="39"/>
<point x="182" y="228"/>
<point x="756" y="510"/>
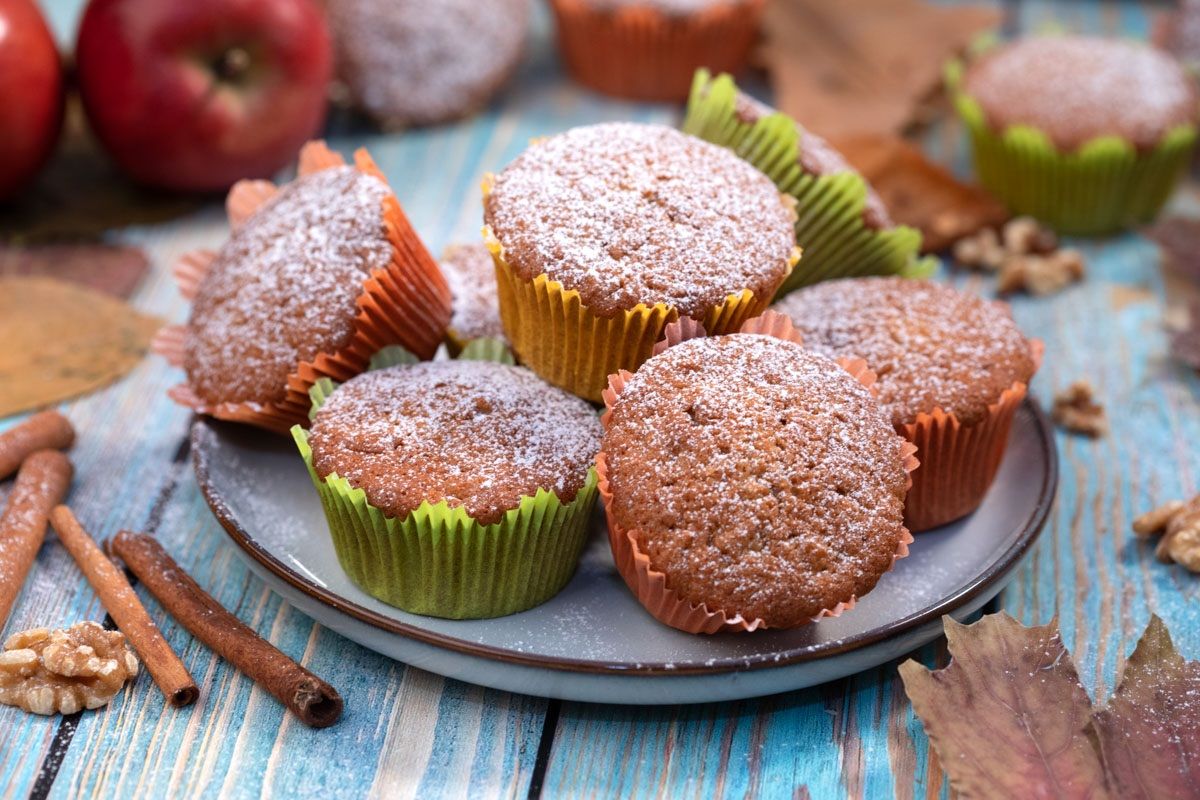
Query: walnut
<point x="1179" y="524"/>
<point x="981" y="251"/>
<point x="64" y="671"/>
<point x="1076" y="409"/>
<point x="1041" y="274"/>
<point x="1024" y="236"/>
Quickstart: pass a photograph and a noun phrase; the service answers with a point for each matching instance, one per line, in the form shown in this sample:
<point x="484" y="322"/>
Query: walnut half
<point x="64" y="671"/>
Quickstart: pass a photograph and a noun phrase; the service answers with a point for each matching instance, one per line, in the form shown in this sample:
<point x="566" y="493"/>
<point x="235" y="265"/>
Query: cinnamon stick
<point x="41" y="485"/>
<point x="311" y="699"/>
<point x="46" y="430"/>
<point x="126" y="609"/>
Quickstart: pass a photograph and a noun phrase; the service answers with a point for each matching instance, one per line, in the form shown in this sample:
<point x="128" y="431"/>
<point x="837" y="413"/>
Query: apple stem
<point x="232" y="65"/>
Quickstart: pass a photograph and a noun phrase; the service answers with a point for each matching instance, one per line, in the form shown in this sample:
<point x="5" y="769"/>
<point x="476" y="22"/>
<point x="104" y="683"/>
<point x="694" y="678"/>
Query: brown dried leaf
<point x="114" y="269"/>
<point x="863" y="67"/>
<point x="1179" y="238"/>
<point x="1008" y="717"/>
<point x="61" y="340"/>
<point x="921" y="193"/>
<point x="1149" y="733"/>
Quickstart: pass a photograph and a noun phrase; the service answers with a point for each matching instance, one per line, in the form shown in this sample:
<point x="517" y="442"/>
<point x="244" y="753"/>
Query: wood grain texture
<point x="408" y="733"/>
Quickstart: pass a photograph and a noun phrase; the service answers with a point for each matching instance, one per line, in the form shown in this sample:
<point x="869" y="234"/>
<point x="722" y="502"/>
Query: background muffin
<point x="762" y="480"/>
<point x="471" y="276"/>
<point x="648" y="49"/>
<point x="946" y="361"/>
<point x="603" y="234"/>
<point x="1089" y="135"/>
<point x="418" y="62"/>
<point x="454" y="488"/>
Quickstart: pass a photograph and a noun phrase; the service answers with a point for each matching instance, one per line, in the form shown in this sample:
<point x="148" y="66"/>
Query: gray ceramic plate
<point x="593" y="642"/>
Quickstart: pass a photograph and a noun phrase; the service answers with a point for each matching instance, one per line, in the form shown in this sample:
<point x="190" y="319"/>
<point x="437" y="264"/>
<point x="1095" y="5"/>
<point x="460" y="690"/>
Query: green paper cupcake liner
<point x="440" y="562"/>
<point x="1102" y="187"/>
<point x="837" y="243"/>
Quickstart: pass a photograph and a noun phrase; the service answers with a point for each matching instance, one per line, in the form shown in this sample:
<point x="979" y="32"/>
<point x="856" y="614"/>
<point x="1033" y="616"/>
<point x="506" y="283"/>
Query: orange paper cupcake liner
<point x="406" y="303"/>
<point x="959" y="462"/>
<point x="648" y="584"/>
<point x="642" y="53"/>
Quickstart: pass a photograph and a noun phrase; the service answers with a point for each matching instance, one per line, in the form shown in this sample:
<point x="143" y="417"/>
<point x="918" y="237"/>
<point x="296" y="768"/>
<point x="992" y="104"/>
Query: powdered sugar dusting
<point x="426" y="61"/>
<point x="284" y="287"/>
<point x="477" y="434"/>
<point x="627" y="213"/>
<point x="1074" y="88"/>
<point x="930" y="345"/>
<point x="472" y="277"/>
<point x="761" y="478"/>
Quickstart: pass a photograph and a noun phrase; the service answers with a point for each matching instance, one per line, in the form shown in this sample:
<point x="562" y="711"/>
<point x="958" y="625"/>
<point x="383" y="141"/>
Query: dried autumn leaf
<point x="1179" y="238"/>
<point x="1149" y="733"/>
<point x="921" y="193"/>
<point x="1008" y="717"/>
<point x="61" y="340"/>
<point x="114" y="269"/>
<point x="863" y="67"/>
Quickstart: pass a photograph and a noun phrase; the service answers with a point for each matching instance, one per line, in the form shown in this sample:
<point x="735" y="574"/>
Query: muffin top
<point x="626" y="213"/>
<point x="670" y="7"/>
<point x="1075" y="88"/>
<point x="284" y="287"/>
<point x="476" y="434"/>
<point x="930" y="345"/>
<point x="417" y="62"/>
<point x="818" y="157"/>
<point x="760" y="478"/>
<point x="472" y="278"/>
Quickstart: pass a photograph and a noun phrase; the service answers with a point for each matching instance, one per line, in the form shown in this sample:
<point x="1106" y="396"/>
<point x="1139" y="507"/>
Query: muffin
<point x="604" y="234"/>
<point x="953" y="369"/>
<point x="843" y="226"/>
<point x="458" y="489"/>
<point x="1089" y="135"/>
<point x="648" y="49"/>
<point x="475" y="304"/>
<point x="750" y="483"/>
<point x="420" y="62"/>
<point x="316" y="276"/>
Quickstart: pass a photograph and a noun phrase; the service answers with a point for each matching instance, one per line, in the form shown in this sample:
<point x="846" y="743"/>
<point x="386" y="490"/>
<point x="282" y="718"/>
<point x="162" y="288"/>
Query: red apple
<point x="31" y="94"/>
<point x="193" y="95"/>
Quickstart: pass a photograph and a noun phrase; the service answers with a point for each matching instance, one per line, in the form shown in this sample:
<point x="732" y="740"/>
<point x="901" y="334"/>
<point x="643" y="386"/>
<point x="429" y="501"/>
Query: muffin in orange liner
<point x="954" y="370"/>
<point x="959" y="462"/>
<point x="403" y="300"/>
<point x="650" y="585"/>
<point x="649" y="50"/>
<point x="604" y="234"/>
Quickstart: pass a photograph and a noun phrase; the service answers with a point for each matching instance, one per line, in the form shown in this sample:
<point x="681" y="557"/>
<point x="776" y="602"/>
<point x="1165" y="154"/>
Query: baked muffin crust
<point x="760" y="478"/>
<point x="472" y="277"/>
<point x="626" y="213"/>
<point x="1075" y="88"/>
<point x="930" y="345"/>
<point x="284" y="287"/>
<point x="477" y="434"/>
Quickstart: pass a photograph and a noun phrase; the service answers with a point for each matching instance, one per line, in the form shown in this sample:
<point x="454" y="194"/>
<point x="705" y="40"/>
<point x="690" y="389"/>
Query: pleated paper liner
<point x="830" y="228"/>
<point x="457" y="344"/>
<point x="1104" y="186"/>
<point x="639" y="52"/>
<point x="555" y="335"/>
<point x="405" y="303"/>
<point x="959" y="462"/>
<point x="651" y="586"/>
<point x="440" y="562"/>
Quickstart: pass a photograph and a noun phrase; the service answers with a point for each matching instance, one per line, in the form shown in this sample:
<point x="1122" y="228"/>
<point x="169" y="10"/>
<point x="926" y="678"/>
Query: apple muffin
<point x="952" y="366"/>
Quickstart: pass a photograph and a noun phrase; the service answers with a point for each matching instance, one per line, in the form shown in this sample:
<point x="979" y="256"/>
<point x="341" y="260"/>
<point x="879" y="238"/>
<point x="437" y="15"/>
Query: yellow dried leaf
<point x="60" y="340"/>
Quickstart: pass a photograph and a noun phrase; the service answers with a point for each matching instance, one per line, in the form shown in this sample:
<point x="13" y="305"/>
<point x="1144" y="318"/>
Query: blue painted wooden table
<point x="410" y="733"/>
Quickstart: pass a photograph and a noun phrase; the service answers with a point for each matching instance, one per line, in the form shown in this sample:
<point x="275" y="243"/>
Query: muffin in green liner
<point x="842" y="226"/>
<point x="469" y="555"/>
<point x="475" y="300"/>
<point x="1088" y="135"/>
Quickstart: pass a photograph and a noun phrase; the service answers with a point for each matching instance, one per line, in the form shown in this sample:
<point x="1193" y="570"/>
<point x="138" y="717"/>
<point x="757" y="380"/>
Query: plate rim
<point x="1030" y="530"/>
